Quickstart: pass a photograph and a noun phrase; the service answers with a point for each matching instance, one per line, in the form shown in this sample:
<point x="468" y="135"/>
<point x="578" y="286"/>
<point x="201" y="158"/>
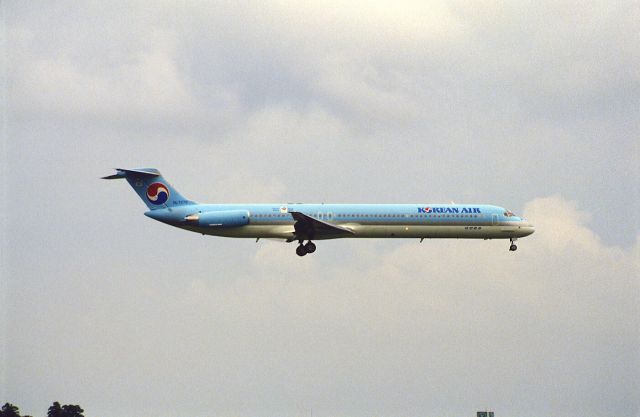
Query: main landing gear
<point x="303" y="249"/>
<point x="513" y="246"/>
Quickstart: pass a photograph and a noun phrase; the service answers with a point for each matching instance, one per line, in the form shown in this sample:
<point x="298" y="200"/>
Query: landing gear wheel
<point x="513" y="248"/>
<point x="301" y="250"/>
<point x="310" y="247"/>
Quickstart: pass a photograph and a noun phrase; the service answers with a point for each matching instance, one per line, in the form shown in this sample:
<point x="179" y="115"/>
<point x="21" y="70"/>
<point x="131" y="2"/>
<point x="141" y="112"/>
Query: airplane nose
<point x="525" y="228"/>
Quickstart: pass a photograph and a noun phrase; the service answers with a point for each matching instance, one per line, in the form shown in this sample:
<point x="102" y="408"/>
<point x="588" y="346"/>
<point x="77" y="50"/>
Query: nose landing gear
<point x="513" y="246"/>
<point x="303" y="249"/>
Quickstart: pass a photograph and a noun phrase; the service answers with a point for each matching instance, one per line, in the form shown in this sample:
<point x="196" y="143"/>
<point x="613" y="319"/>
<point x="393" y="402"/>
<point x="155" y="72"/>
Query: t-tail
<point x="152" y="188"/>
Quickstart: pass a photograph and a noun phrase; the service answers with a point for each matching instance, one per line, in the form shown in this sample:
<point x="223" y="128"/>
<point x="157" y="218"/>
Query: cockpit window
<point x="508" y="214"/>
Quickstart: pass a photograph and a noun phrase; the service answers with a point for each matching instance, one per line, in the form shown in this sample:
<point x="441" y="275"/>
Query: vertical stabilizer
<point x="151" y="187"/>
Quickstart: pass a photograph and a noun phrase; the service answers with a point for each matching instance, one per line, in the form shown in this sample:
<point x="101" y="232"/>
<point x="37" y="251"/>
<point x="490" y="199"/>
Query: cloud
<point x="409" y="327"/>
<point x="358" y="102"/>
<point x="146" y="86"/>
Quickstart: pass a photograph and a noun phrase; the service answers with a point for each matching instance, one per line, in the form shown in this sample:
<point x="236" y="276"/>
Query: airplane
<point x="308" y="222"/>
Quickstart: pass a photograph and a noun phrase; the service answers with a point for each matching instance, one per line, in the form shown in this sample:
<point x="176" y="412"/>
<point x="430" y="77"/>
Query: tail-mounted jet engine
<point x="226" y="218"/>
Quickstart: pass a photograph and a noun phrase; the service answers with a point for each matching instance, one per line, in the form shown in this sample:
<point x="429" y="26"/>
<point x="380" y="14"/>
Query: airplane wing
<point x="308" y="228"/>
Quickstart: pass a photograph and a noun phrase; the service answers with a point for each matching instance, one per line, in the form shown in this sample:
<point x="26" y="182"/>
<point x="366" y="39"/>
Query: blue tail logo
<point x="158" y="193"/>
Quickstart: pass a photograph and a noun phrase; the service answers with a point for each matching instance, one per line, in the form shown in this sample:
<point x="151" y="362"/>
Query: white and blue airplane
<point x="309" y="222"/>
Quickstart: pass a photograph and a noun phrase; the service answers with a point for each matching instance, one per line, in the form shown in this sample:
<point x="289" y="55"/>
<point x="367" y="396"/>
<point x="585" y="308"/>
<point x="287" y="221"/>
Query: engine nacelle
<point x="226" y="218"/>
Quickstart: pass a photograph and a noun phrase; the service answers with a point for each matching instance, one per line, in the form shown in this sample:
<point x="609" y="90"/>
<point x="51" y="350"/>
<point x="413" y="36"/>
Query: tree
<point x="67" y="410"/>
<point x="55" y="410"/>
<point x="72" y="411"/>
<point x="9" y="410"/>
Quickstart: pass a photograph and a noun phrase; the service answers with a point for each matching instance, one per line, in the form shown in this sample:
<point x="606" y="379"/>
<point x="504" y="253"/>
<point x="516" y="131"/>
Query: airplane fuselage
<point x="467" y="221"/>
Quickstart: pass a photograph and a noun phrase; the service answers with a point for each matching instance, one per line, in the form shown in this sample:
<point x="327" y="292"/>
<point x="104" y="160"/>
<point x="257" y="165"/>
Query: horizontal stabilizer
<point x="112" y="177"/>
<point x="143" y="172"/>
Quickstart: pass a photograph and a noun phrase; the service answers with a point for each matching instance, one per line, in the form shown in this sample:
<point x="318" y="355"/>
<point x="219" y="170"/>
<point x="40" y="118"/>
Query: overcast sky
<point x="531" y="106"/>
